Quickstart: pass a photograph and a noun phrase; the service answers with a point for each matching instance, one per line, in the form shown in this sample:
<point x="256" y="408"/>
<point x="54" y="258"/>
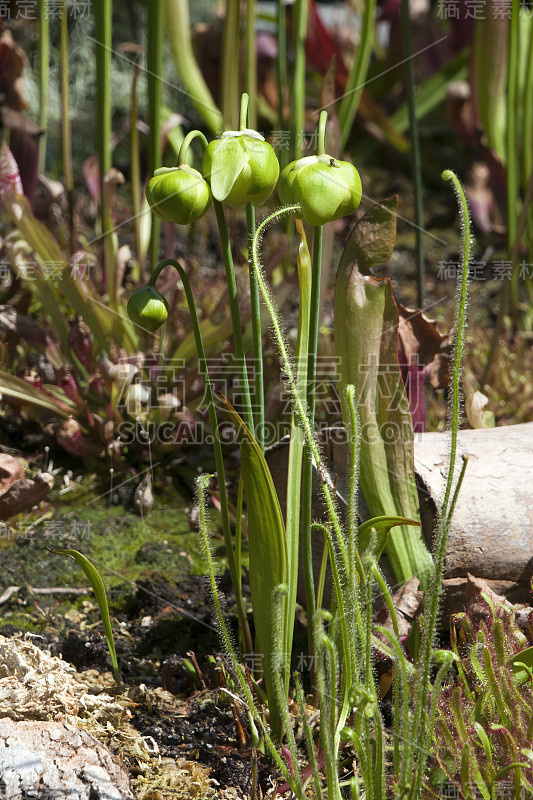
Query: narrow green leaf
<point x="296" y="446"/>
<point x="98" y="588"/>
<point x="432" y="92"/>
<point x="267" y="554"/>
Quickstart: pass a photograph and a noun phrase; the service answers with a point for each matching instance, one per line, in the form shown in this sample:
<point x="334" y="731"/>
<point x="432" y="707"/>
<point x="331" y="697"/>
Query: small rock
<point x="52" y="759"/>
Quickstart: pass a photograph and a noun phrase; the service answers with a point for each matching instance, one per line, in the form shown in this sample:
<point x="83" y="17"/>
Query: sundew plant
<point x="240" y="169"/>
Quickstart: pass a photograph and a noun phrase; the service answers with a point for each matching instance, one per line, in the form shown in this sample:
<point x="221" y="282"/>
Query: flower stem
<point x="257" y="339"/>
<point x="182" y="158"/>
<point x="219" y="461"/>
<point x="258" y="407"/>
<point x="235" y="316"/>
<point x="307" y="472"/>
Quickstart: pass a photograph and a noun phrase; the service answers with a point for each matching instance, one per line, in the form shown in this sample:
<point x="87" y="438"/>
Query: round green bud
<point x="178" y="194"/>
<point x="147" y="308"/>
<point x="325" y="188"/>
<point x="241" y="168"/>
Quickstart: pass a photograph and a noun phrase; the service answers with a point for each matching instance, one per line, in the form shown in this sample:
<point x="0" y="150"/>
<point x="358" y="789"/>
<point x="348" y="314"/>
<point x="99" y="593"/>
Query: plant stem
<point x="230" y="64"/>
<point x="103" y="15"/>
<point x="217" y="447"/>
<point x="66" y="136"/>
<point x="297" y="439"/>
<point x="251" y="63"/>
<point x="307" y="477"/>
<point x="44" y="78"/>
<point x="182" y="157"/>
<point x="135" y="167"/>
<point x="513" y="113"/>
<point x="240" y="355"/>
<point x="154" y="63"/>
<point x="416" y="161"/>
<point x="257" y="338"/>
<point x="258" y="406"/>
<point x="528" y="137"/>
<point x="298" y="95"/>
<point x="282" y="75"/>
<point x="354" y="87"/>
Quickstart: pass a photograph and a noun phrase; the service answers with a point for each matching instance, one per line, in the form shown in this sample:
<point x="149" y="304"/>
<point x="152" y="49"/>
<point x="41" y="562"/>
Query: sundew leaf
<point x="518" y="664"/>
<point x="267" y="554"/>
<point x="382" y="527"/>
<point x="366" y="332"/>
<point x="98" y="588"/>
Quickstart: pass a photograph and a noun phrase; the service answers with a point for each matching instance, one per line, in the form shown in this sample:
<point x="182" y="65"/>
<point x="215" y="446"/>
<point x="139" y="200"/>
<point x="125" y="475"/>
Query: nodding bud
<point x="147" y="308"/>
<point x="178" y="194"/>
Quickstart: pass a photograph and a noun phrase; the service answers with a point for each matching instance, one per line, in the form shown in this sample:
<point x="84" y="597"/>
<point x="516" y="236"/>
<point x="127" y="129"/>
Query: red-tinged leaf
<point x="23" y="392"/>
<point x="91" y="173"/>
<point x="10" y="182"/>
<point x="12" y="62"/>
<point x="70" y="436"/>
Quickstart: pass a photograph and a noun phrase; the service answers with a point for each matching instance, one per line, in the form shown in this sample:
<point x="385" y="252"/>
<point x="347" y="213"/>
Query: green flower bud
<point x="324" y="187"/>
<point x="241" y="168"/>
<point x="178" y="194"/>
<point x="147" y="308"/>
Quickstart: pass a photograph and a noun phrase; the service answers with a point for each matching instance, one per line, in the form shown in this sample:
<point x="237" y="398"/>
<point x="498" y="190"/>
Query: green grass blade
<point x="98" y="588"/>
<point x="268" y="558"/>
<point x="154" y="85"/>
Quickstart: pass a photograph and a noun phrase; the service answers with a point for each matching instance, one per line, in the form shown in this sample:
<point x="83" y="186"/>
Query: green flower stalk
<point x="148" y="307"/>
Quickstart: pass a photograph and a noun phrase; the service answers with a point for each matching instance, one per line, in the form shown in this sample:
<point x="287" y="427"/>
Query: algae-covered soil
<point x="152" y="568"/>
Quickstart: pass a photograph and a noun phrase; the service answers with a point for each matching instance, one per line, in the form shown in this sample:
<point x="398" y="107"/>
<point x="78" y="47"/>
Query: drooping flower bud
<point x="178" y="194"/>
<point x="147" y="308"/>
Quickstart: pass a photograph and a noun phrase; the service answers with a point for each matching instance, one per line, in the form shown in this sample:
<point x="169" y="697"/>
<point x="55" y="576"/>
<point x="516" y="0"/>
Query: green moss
<point x="18" y="620"/>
